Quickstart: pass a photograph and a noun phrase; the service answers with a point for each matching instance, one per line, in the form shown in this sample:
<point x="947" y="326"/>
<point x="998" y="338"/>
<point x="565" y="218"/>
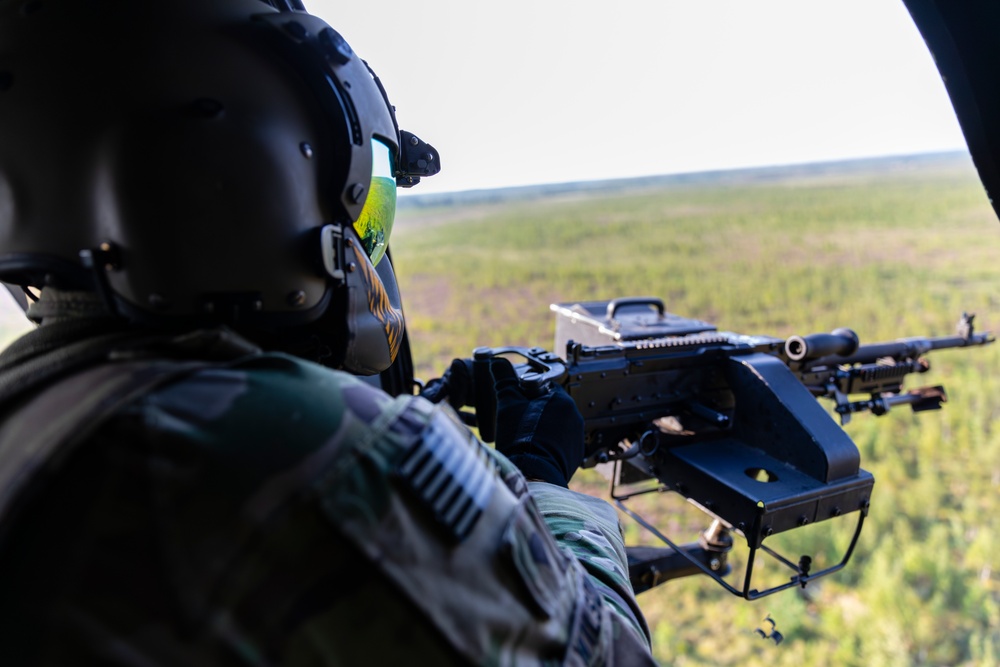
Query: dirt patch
<point x="428" y="295"/>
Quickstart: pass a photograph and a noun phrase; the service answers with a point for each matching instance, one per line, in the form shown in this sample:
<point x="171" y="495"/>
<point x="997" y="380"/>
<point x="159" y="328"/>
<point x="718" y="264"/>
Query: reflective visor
<point x="375" y="222"/>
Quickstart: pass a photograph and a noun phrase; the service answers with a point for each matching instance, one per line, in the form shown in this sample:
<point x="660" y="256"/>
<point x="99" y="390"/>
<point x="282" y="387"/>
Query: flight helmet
<point x="229" y="162"/>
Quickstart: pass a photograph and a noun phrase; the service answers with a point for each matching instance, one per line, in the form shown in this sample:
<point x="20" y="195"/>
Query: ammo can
<point x="597" y="323"/>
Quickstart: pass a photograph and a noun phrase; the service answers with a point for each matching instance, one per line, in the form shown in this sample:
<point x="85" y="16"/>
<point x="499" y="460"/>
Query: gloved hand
<point x="455" y="385"/>
<point x="542" y="436"/>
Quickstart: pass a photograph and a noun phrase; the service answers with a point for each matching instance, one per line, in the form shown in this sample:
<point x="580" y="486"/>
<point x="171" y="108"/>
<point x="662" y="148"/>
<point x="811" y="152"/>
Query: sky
<point x="546" y="91"/>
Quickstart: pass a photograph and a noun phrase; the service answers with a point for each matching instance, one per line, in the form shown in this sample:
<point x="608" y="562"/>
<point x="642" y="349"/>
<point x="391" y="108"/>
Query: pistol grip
<point x="484" y="395"/>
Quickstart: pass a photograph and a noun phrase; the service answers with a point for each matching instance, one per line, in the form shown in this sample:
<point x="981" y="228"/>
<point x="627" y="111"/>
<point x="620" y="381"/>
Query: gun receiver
<point x="728" y="421"/>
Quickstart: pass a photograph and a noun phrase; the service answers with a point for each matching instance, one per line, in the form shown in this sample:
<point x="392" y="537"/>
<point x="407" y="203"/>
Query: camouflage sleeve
<point x="305" y="517"/>
<point x="589" y="528"/>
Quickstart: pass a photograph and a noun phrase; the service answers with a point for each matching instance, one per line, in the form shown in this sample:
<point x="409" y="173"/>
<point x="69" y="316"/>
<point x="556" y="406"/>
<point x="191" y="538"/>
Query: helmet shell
<point x="203" y="143"/>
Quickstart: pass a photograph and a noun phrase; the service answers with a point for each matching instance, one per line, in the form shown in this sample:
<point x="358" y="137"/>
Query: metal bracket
<point x="689" y="560"/>
<point x="331" y="243"/>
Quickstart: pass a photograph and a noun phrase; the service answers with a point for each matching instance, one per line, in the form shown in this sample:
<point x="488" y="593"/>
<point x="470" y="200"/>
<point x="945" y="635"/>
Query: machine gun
<point x="728" y="421"/>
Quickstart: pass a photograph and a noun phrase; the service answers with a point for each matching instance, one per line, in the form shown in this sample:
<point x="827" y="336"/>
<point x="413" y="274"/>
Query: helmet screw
<point x="334" y="46"/>
<point x="414" y="141"/>
<point x="357" y="193"/>
<point x="306" y="149"/>
<point x="108" y="254"/>
<point x="6" y="79"/>
<point x="296" y="298"/>
<point x="352" y="267"/>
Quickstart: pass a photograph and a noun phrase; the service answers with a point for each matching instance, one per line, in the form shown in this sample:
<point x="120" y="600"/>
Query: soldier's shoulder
<point x="262" y="386"/>
<point x="268" y="405"/>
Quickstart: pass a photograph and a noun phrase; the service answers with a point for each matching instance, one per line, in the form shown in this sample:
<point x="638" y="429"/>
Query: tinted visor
<point x="375" y="222"/>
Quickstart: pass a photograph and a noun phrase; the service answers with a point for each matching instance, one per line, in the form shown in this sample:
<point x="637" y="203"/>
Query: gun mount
<point x="728" y="421"/>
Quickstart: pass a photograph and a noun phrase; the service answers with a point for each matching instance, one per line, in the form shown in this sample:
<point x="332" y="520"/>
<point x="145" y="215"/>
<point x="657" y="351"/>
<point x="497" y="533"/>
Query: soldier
<point x="197" y="196"/>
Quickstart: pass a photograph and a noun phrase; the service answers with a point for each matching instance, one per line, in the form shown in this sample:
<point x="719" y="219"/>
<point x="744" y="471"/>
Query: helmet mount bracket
<point x="99" y="261"/>
<point x="416" y="159"/>
<point x="331" y="242"/>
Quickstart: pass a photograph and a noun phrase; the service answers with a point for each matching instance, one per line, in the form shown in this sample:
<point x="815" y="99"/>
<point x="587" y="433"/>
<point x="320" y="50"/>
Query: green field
<point x="888" y="248"/>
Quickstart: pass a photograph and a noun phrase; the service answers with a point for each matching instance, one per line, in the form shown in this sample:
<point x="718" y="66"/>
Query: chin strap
<point x="99" y="261"/>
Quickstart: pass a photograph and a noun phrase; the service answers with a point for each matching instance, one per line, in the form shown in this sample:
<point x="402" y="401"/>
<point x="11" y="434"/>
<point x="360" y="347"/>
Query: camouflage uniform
<point x="268" y="511"/>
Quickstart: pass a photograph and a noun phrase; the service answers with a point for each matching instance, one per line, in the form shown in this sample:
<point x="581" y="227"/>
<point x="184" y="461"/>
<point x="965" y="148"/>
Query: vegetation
<point x="890" y="249"/>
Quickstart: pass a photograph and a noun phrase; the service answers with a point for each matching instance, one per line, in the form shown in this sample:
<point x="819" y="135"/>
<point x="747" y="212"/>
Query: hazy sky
<point x="519" y="92"/>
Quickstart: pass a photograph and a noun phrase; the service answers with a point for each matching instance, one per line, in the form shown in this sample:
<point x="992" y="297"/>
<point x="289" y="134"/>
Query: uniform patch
<point x="588" y="626"/>
<point x="451" y="474"/>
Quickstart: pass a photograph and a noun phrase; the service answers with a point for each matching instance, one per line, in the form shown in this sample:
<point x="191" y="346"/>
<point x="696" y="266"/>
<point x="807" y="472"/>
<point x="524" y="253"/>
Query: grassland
<point x="890" y="249"/>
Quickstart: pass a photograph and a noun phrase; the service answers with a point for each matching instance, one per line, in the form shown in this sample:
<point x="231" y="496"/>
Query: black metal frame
<point x="663" y="569"/>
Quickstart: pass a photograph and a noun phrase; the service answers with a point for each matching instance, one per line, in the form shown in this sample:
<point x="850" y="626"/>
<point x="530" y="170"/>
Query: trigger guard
<point x="536" y="376"/>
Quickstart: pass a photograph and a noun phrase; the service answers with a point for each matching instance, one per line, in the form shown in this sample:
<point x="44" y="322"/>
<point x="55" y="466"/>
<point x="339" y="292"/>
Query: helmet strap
<point x="105" y="257"/>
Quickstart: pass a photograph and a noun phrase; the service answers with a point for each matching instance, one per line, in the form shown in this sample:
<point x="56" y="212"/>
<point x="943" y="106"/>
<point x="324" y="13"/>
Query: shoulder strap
<point x="56" y="392"/>
<point x="38" y="358"/>
<point x="53" y="351"/>
<point x="49" y="426"/>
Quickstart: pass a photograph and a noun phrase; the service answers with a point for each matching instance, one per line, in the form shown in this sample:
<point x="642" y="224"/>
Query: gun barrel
<point x="840" y="342"/>
<point x="904" y="348"/>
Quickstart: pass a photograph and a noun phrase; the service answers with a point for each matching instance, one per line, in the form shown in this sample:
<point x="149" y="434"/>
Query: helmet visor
<point x="375" y="222"/>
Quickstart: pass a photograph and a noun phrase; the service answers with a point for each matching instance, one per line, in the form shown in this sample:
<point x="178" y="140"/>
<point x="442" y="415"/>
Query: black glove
<point x="455" y="385"/>
<point x="542" y="436"/>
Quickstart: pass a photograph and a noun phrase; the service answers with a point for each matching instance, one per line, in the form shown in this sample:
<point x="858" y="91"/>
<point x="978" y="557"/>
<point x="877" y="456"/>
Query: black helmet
<point x="203" y="162"/>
